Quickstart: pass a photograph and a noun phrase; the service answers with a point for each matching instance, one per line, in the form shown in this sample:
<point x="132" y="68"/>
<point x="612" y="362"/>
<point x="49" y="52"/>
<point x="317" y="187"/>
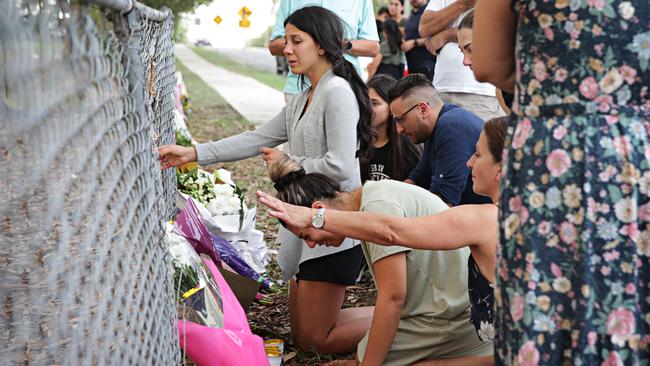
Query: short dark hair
<point x="404" y="86"/>
<point x="467" y="22"/>
<point x="382" y="10"/>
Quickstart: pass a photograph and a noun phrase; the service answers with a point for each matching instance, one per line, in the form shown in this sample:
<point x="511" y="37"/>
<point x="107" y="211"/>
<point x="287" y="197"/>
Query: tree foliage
<point x="176" y="6"/>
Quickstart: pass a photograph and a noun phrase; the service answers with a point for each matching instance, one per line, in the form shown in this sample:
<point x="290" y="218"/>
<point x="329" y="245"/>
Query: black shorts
<point x="340" y="268"/>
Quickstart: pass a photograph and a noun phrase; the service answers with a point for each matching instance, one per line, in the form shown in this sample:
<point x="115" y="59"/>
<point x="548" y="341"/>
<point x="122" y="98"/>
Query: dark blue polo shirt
<point x="442" y="168"/>
<point x="417" y="58"/>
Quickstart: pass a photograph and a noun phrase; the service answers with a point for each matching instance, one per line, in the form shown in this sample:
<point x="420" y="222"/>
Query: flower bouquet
<point x="225" y="213"/>
<point x="197" y="296"/>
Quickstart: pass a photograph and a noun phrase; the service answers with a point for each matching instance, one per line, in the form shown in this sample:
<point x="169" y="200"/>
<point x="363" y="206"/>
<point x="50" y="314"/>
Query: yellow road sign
<point x="244" y="12"/>
<point x="217" y="19"/>
<point x="244" y="23"/>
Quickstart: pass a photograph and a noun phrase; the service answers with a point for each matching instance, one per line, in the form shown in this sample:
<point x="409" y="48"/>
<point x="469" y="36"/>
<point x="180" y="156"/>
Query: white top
<point x="450" y="74"/>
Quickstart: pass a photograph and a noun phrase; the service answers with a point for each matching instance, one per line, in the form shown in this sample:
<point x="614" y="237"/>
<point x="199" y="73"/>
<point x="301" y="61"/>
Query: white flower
<point x="572" y="196"/>
<point x="543" y="323"/>
<point x="625" y="210"/>
<point x="224" y="190"/>
<point x="626" y="10"/>
<point x="512" y="224"/>
<point x="612" y="81"/>
<point x="486" y="333"/>
<point x="644" y="183"/>
<point x="201" y="180"/>
<point x="562" y="285"/>
<point x="536" y="199"/>
<point x="643" y="243"/>
<point x="553" y="197"/>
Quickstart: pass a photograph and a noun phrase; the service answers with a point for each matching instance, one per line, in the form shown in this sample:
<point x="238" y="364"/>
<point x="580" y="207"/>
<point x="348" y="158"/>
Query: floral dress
<point x="573" y="266"/>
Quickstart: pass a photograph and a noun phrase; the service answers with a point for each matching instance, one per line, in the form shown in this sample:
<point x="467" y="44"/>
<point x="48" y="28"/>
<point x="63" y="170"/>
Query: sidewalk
<point x="255" y="101"/>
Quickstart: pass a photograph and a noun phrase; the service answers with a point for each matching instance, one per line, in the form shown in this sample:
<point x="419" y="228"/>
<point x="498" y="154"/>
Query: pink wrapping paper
<point x="232" y="345"/>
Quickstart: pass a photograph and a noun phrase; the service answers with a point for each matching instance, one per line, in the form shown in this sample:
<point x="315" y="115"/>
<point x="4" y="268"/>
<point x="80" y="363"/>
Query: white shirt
<point x="450" y="74"/>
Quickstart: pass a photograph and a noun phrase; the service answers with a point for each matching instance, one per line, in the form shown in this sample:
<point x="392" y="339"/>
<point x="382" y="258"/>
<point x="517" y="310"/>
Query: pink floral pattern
<point x="573" y="270"/>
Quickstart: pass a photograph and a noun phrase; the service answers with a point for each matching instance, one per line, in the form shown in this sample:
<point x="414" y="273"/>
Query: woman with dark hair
<point x="393" y="155"/>
<point x="421" y="221"/>
<point x="327" y="126"/>
<point x="390" y="59"/>
<point x="396" y="12"/>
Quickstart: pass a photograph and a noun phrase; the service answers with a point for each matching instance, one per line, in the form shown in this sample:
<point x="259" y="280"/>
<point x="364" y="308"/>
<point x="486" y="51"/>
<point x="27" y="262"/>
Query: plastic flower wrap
<point x="225" y="213"/>
<point x="198" y="298"/>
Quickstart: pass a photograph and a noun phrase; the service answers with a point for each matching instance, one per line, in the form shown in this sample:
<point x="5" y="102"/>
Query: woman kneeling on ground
<point x="443" y="231"/>
<point x="326" y="126"/>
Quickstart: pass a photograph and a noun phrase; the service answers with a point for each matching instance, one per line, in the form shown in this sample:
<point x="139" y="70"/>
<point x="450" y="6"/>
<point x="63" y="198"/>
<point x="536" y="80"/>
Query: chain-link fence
<point x="87" y="93"/>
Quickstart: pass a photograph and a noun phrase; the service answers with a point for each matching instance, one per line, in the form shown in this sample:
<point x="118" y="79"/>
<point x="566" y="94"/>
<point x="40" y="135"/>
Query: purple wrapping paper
<point x="190" y="225"/>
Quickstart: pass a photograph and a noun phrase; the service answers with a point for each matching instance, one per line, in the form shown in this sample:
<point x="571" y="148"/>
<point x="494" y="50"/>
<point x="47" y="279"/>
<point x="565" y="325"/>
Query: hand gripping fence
<point x="87" y="93"/>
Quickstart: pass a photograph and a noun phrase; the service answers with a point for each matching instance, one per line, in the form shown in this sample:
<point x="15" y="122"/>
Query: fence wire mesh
<point x="87" y="93"/>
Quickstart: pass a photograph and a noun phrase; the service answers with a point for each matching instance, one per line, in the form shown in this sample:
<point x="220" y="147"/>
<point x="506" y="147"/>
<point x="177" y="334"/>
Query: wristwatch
<point x="318" y="220"/>
<point x="348" y="45"/>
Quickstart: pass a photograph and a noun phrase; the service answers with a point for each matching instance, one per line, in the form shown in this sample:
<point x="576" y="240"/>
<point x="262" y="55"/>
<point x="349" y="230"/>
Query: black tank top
<point x="481" y="296"/>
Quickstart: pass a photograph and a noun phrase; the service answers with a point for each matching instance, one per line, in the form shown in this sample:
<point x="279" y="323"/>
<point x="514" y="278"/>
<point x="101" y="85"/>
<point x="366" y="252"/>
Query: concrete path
<point x="255" y="101"/>
<point x="257" y="57"/>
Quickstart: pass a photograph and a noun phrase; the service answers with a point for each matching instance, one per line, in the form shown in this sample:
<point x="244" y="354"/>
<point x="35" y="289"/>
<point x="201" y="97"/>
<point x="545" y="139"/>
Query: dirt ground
<point x="212" y="119"/>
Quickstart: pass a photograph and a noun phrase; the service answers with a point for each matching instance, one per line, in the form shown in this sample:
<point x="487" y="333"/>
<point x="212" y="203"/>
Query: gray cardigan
<point x="324" y="140"/>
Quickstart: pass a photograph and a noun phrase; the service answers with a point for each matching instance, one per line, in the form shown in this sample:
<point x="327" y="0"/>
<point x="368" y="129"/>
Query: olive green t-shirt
<point x="436" y="279"/>
<point x="388" y="57"/>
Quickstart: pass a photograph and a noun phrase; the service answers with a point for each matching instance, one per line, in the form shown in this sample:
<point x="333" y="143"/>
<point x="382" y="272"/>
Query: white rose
<point x="625" y="210"/>
<point x="223" y="190"/>
<point x="644" y="183"/>
<point x="233" y="205"/>
<point x="626" y="10"/>
<point x="512" y="224"/>
<point x="612" y="81"/>
<point x="643" y="243"/>
<point x="217" y="206"/>
<point x="572" y="196"/>
<point x="201" y="180"/>
<point x="536" y="199"/>
<point x="562" y="285"/>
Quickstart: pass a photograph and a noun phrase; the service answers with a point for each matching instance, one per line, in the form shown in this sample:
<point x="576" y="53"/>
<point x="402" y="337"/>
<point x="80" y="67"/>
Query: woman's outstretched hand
<point x="296" y="216"/>
<point x="175" y="155"/>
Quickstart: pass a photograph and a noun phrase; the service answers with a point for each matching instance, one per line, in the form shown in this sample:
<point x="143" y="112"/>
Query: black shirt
<point x="379" y="167"/>
<point x="418" y="57"/>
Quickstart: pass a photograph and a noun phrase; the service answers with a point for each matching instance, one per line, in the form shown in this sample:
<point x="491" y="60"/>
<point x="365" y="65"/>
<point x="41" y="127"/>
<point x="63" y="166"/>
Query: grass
<point x="272" y="80"/>
<point x="213" y="119"/>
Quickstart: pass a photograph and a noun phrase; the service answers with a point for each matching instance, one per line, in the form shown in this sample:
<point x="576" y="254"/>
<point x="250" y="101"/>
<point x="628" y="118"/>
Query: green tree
<point x="176" y="6"/>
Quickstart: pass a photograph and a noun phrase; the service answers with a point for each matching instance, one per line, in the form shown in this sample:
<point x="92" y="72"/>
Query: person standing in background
<point x="573" y="265"/>
<point x="396" y="12"/>
<point x="361" y="38"/>
<point x="383" y="14"/>
<point x="418" y="59"/>
<point x="390" y="60"/>
<point x="465" y="34"/>
<point x="454" y="82"/>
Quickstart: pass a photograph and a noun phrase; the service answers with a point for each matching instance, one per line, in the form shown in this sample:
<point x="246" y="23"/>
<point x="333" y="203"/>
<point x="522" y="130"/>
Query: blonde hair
<point x="296" y="187"/>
